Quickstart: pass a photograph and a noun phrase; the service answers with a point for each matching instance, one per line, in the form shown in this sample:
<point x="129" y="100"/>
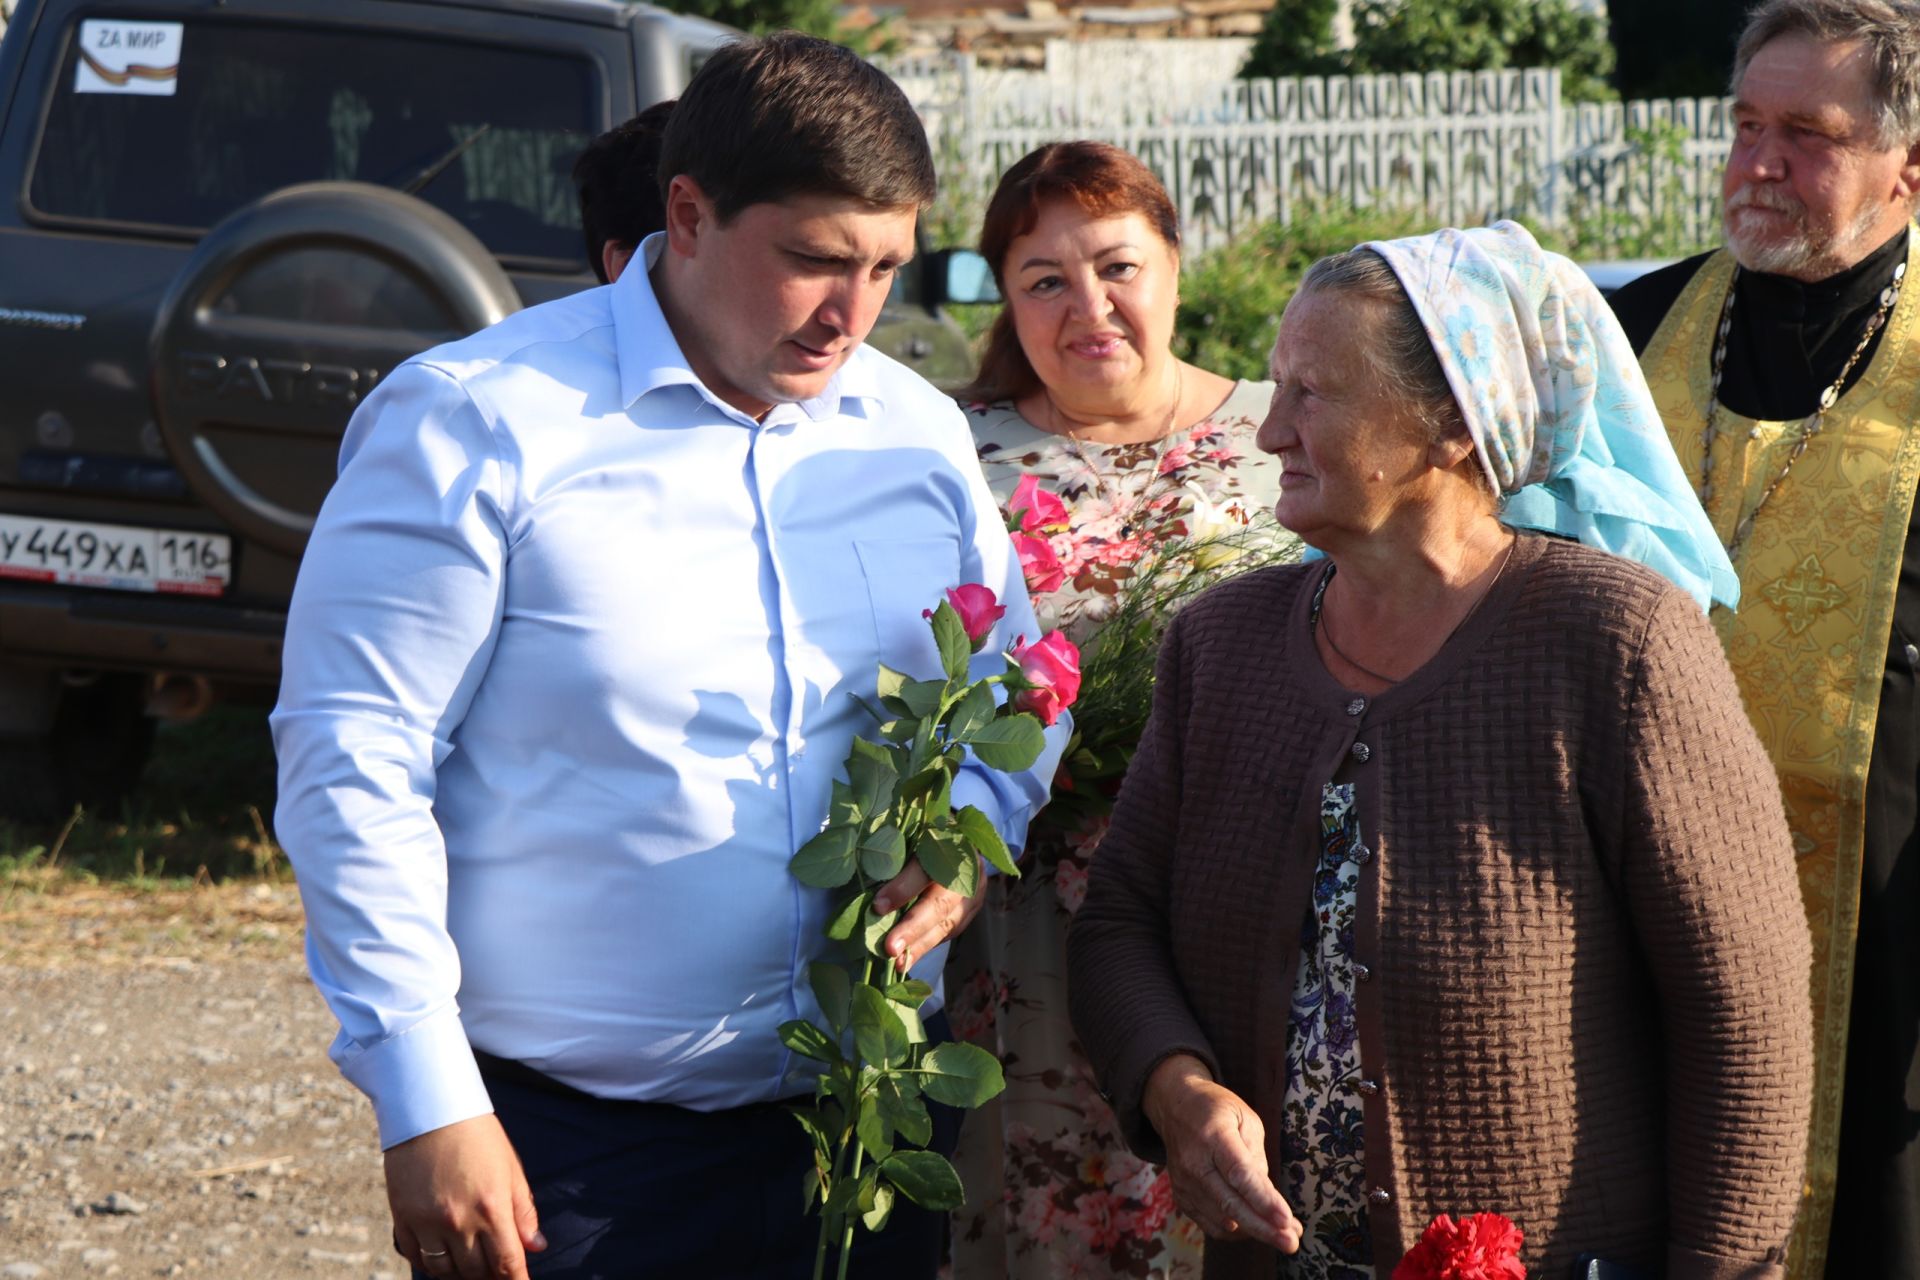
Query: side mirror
<point x="960" y="276"/>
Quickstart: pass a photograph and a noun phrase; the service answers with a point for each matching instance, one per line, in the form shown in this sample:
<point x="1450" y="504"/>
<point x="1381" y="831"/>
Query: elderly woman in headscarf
<point x="1450" y="876"/>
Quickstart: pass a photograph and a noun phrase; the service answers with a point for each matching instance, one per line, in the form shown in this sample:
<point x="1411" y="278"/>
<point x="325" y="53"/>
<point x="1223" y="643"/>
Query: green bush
<point x="1439" y="35"/>
<point x="1231" y="299"/>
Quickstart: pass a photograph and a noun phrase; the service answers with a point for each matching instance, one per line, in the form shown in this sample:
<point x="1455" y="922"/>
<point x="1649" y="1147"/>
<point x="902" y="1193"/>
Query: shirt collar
<point x="650" y="356"/>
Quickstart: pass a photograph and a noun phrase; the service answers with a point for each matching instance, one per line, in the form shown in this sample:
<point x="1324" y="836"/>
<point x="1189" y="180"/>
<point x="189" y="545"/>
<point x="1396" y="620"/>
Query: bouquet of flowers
<point x="1187" y="543"/>
<point x="896" y="804"/>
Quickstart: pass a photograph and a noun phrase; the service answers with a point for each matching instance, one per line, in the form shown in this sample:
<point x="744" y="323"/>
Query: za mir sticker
<point x="128" y="57"/>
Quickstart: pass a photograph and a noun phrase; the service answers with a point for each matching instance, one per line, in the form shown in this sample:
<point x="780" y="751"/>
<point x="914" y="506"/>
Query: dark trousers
<point x="639" y="1191"/>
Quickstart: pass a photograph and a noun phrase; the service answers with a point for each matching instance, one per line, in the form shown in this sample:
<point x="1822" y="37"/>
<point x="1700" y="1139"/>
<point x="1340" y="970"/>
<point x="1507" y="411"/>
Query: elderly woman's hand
<point x="1216" y="1156"/>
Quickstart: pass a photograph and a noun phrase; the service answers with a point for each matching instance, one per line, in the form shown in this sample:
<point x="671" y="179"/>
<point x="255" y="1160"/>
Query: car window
<point x="256" y="107"/>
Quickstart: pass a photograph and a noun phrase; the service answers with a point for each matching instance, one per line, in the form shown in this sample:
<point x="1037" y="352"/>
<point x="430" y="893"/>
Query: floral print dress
<point x="1052" y="1190"/>
<point x="1323" y="1175"/>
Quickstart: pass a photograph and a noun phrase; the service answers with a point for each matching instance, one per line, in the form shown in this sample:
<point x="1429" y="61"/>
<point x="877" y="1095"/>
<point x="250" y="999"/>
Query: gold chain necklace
<point x="1809" y="427"/>
<point x="1112" y="497"/>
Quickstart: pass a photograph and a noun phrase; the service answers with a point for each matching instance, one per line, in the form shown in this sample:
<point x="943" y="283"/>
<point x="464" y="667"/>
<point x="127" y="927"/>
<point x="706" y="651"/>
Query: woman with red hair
<point x="1080" y="392"/>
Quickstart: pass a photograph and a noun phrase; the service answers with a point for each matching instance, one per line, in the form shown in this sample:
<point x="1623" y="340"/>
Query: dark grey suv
<point x="230" y="219"/>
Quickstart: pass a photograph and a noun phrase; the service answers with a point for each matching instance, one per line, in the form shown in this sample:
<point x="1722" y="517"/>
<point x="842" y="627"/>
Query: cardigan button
<point x="1366" y="1088"/>
<point x="1361" y="971"/>
<point x="1362" y="854"/>
<point x="1357" y="706"/>
<point x="1379" y="1197"/>
<point x="1361" y="752"/>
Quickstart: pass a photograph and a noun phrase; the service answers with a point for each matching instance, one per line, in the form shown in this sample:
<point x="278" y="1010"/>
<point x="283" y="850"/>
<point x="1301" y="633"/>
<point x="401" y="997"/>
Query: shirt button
<point x="1361" y="971"/>
<point x="1362" y="854"/>
<point x="1361" y="752"/>
<point x="1355" y="707"/>
<point x="1366" y="1088"/>
<point x="1379" y="1197"/>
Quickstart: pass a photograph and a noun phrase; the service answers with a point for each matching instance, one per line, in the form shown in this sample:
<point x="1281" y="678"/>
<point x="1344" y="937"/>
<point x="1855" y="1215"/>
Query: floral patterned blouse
<point x="1052" y="1190"/>
<point x="1124" y="498"/>
<point x="1323" y="1175"/>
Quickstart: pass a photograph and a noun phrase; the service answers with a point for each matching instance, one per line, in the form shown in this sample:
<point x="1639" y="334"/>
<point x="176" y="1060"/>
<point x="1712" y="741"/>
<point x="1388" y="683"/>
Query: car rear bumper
<point x="51" y="626"/>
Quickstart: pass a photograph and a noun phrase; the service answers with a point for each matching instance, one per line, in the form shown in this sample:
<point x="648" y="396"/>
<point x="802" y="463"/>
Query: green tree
<point x="1484" y="35"/>
<point x="1296" y="39"/>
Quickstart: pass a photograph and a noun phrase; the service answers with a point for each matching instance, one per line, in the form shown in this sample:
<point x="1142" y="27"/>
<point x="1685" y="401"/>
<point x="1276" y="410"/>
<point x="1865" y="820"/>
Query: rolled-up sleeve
<point x="393" y="621"/>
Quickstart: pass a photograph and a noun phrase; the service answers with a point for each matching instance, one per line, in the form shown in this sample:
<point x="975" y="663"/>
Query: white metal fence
<point x="1462" y="146"/>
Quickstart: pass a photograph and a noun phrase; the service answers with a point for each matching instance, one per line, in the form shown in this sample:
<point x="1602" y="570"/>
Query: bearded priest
<point x="1787" y="368"/>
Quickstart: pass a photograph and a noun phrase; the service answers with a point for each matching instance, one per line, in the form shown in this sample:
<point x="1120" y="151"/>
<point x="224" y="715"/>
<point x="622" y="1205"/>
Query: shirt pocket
<point x="905" y="576"/>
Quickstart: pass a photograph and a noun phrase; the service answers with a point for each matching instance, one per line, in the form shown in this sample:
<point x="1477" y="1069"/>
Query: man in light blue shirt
<point x="569" y="672"/>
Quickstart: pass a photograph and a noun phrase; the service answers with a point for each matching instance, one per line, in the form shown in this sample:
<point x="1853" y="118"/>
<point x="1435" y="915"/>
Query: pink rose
<point x="1052" y="666"/>
<point x="1035" y="507"/>
<point x="1176" y="458"/>
<point x="978" y="608"/>
<point x="1038" y="563"/>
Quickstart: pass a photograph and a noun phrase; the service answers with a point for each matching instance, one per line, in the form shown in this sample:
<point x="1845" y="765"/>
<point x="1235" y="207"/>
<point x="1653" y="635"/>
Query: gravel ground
<point x="166" y="1103"/>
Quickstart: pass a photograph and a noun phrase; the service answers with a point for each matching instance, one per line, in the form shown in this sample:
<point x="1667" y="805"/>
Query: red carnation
<point x="1480" y="1246"/>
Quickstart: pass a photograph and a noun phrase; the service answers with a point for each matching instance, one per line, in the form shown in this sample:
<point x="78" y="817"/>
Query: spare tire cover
<point x="282" y="320"/>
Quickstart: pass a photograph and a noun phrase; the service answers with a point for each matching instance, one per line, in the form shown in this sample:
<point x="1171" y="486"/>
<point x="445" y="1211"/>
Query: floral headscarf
<point x="1560" y="414"/>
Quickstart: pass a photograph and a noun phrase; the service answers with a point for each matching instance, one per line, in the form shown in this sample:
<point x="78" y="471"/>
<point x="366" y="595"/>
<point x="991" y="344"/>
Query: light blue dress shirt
<point x="569" y="670"/>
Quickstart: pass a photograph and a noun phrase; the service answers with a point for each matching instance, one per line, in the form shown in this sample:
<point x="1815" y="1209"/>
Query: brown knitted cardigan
<point x="1588" y="1003"/>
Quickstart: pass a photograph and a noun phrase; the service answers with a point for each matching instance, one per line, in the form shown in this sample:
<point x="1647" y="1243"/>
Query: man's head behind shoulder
<point x="793" y="173"/>
<point x="618" y="178"/>
<point x="1824" y="167"/>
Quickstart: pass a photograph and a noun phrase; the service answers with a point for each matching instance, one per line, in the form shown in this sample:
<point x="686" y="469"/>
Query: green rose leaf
<point x="979" y="830"/>
<point x="975" y="711"/>
<point x="909" y="1022"/>
<point x="925" y="1178"/>
<point x="905" y="1113"/>
<point x="922" y="697"/>
<point x="834" y="990"/>
<point x="840" y="1200"/>
<point x="874" y="1210"/>
<point x="910" y="992"/>
<point x="843" y="810"/>
<point x="892" y="689"/>
<point x="871" y="775"/>
<point x="939" y="857"/>
<point x="877" y="1034"/>
<point x="960" y="1074"/>
<point x="883" y="853"/>
<point x="822" y="1141"/>
<point x="809" y="1041"/>
<point x="923" y="782"/>
<point x="940" y="804"/>
<point x="827" y="860"/>
<point x="1009" y="743"/>
<point x="951" y="635"/>
<point x="899" y="730"/>
<point x="949" y="859"/>
<point x="849" y="917"/>
<point x="874" y="931"/>
<point x="875" y="1135"/>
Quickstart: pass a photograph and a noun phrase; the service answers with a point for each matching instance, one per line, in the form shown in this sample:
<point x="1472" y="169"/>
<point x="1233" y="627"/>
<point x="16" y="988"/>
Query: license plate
<point x="119" y="557"/>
